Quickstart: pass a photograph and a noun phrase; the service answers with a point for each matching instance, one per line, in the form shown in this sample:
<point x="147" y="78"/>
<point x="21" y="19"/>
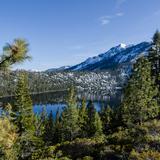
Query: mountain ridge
<point x="115" y="56"/>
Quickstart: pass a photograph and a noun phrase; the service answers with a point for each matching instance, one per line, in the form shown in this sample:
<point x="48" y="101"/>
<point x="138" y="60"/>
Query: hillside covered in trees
<point x="128" y="131"/>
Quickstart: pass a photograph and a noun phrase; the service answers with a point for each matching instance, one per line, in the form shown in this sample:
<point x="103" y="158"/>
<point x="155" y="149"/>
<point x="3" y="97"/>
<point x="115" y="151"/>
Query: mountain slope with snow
<point x="58" y="69"/>
<point x="115" y="56"/>
<point x="109" y="73"/>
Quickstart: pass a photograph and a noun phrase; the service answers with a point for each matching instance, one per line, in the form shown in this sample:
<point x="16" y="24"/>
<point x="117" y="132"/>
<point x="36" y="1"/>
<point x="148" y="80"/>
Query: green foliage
<point x="146" y="155"/>
<point x="82" y="120"/>
<point x="156" y="38"/>
<point x="49" y="130"/>
<point x="154" y="56"/>
<point x="8" y="137"/>
<point x="40" y="123"/>
<point x="94" y="123"/>
<point x="14" y="53"/>
<point x="27" y="144"/>
<point x="79" y="148"/>
<point x="138" y="136"/>
<point x="22" y="116"/>
<point x="139" y="103"/>
<point x="98" y="125"/>
<point x="23" y="106"/>
<point x="132" y="131"/>
<point x="70" y="126"/>
<point x="106" y="115"/>
<point x="58" y="128"/>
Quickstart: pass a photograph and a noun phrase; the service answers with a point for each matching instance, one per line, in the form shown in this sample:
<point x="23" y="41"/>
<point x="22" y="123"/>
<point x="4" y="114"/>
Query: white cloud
<point x="104" y="20"/>
<point x="120" y="14"/>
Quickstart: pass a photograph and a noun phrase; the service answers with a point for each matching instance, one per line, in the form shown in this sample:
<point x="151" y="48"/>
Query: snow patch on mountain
<point x="92" y="60"/>
<point x="122" y="45"/>
<point x="117" y="55"/>
<point x="58" y="69"/>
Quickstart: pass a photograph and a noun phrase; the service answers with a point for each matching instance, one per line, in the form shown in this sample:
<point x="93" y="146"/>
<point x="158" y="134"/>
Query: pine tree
<point x="14" y="53"/>
<point x="23" y="106"/>
<point x="43" y="115"/>
<point x="8" y="137"/>
<point x="139" y="109"/>
<point x="94" y="124"/>
<point x="98" y="125"/>
<point x="139" y="103"/>
<point x="26" y="143"/>
<point x="49" y="130"/>
<point x="40" y="122"/>
<point x="70" y="128"/>
<point x="106" y="117"/>
<point x="58" y="128"/>
<point x="91" y="111"/>
<point x="154" y="58"/>
<point x="82" y="120"/>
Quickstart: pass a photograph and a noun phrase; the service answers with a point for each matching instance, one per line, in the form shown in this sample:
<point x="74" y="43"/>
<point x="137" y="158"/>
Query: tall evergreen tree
<point x="26" y="143"/>
<point x="94" y="124"/>
<point x="40" y="122"/>
<point x="139" y="103"/>
<point x="98" y="125"/>
<point x="70" y="128"/>
<point x="23" y="106"/>
<point x="12" y="54"/>
<point x="58" y="128"/>
<point x="154" y="58"/>
<point x="82" y="120"/>
<point x="49" y="130"/>
<point x="106" y="117"/>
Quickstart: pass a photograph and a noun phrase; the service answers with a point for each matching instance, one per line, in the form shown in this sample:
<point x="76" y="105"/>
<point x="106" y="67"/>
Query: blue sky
<point x="66" y="32"/>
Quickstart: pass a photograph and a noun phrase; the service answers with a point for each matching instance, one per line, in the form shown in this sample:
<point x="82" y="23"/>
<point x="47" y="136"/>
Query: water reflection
<point x="54" y="100"/>
<point x="37" y="109"/>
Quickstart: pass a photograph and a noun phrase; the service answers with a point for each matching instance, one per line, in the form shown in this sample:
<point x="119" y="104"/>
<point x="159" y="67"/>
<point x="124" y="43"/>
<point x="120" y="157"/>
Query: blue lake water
<point x="56" y="100"/>
<point x="37" y="109"/>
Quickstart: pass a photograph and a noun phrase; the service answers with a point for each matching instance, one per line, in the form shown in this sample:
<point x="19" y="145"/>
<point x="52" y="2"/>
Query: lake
<point x="37" y="109"/>
<point x="56" y="100"/>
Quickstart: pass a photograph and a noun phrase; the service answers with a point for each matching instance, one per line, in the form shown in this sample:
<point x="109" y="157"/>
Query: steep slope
<point x="114" y="57"/>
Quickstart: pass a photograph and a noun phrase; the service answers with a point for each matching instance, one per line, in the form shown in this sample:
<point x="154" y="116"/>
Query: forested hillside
<point x="104" y="83"/>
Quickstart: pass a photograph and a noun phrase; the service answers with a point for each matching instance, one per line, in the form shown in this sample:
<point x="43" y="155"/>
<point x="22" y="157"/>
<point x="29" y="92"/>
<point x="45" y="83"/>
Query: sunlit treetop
<point x="14" y="53"/>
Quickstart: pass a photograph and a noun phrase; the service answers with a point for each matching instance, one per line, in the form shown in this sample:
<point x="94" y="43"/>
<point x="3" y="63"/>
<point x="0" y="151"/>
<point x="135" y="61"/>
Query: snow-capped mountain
<point x="58" y="69"/>
<point x="112" y="58"/>
<point x="109" y="73"/>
